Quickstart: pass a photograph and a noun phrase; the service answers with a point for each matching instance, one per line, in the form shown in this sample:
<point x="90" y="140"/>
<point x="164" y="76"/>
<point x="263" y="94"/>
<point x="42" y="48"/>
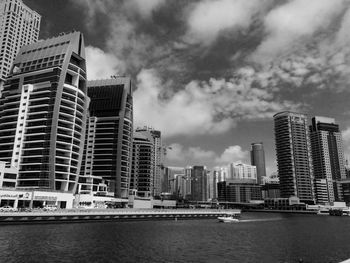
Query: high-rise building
<point x="157" y="157"/>
<point x="257" y="157"/>
<point x="328" y="159"/>
<point x="108" y="141"/>
<point x="19" y="26"/>
<point x="293" y="151"/>
<point x="142" y="169"/>
<point x="169" y="179"/>
<point x="199" y="183"/>
<point x="43" y="111"/>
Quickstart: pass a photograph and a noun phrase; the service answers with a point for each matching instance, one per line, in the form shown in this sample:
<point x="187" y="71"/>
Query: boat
<point x="323" y="212"/>
<point x="231" y="217"/>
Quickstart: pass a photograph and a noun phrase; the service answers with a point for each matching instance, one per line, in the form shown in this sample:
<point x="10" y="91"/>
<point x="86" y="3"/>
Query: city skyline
<point x="211" y="71"/>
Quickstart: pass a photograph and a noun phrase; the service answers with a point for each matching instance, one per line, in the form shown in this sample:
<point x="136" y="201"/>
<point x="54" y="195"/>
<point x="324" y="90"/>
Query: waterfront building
<point x="106" y="166"/>
<point x="293" y="151"/>
<point x="8" y="176"/>
<point x="238" y="191"/>
<point x="199" y="183"/>
<point x="43" y="110"/>
<point x="291" y="203"/>
<point x="327" y="159"/>
<point x="142" y="168"/>
<point x="257" y="157"/>
<point x="19" y="26"/>
<point x="270" y="190"/>
<point x="157" y="157"/>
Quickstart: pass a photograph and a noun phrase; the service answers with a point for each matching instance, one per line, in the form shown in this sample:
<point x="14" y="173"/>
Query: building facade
<point x="293" y="151"/>
<point x="328" y="159"/>
<point x="43" y="111"/>
<point x="157" y="157"/>
<point x="107" y="156"/>
<point x="238" y="191"/>
<point x="19" y="26"/>
<point x="199" y="183"/>
<point x="142" y="169"/>
<point x="257" y="157"/>
<point x="239" y="170"/>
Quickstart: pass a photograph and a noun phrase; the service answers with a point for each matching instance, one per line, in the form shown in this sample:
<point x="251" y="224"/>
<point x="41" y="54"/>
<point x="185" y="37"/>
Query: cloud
<point x="102" y="65"/>
<point x="198" y="156"/>
<point x="297" y="21"/>
<point x="145" y="8"/>
<point x="208" y="18"/>
<point x="232" y="154"/>
<point x="191" y="155"/>
<point x="211" y="107"/>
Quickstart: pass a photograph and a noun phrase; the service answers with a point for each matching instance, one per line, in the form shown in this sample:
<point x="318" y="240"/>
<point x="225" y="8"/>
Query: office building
<point x="43" y="111"/>
<point x="293" y="151"/>
<point x="157" y="157"/>
<point x="257" y="157"/>
<point x="19" y="26"/>
<point x="106" y="164"/>
<point x="327" y="158"/>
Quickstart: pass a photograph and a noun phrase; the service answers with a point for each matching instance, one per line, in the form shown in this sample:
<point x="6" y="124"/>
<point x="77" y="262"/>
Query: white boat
<point x="230" y="217"/>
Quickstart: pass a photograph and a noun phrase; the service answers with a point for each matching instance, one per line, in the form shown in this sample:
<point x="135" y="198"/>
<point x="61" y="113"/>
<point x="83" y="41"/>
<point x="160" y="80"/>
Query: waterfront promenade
<point x="88" y="215"/>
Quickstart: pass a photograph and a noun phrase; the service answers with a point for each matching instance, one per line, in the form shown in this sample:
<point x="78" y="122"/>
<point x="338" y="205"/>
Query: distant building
<point x="107" y="155"/>
<point x="168" y="180"/>
<point x="257" y="157"/>
<point x="293" y="151"/>
<point x="239" y="170"/>
<point x="270" y="190"/>
<point x="157" y="157"/>
<point x="43" y="111"/>
<point x="199" y="183"/>
<point x="238" y="191"/>
<point x="328" y="159"/>
<point x="19" y="26"/>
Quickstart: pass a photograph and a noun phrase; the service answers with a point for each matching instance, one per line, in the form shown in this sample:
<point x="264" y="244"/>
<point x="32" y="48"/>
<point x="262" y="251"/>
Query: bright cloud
<point x="209" y="18"/>
<point x="102" y="65"/>
<point x="145" y="8"/>
<point x="290" y="24"/>
<point x="232" y="154"/>
<point x="201" y="107"/>
<point x="198" y="156"/>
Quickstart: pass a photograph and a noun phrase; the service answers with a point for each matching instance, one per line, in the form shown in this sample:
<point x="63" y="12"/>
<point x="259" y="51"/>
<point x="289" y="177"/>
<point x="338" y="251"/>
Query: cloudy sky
<point x="210" y="74"/>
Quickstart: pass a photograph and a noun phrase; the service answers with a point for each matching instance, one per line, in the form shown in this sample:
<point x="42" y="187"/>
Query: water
<point x="260" y="237"/>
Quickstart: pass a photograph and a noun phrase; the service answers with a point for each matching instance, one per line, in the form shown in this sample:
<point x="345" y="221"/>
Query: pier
<point x="75" y="216"/>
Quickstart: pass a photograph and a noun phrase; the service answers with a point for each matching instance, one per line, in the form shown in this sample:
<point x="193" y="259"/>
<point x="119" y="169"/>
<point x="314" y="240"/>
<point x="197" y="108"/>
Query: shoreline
<point x="73" y="216"/>
<point x="122" y="215"/>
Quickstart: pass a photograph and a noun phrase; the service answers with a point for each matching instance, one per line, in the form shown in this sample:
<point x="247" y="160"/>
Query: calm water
<point x="259" y="238"/>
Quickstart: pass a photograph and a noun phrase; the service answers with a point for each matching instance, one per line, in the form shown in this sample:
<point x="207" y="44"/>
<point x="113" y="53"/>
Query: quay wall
<point x="65" y="216"/>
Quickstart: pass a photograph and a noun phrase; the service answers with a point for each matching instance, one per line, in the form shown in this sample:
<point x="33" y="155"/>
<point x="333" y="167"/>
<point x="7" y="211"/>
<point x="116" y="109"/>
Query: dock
<point x="107" y="215"/>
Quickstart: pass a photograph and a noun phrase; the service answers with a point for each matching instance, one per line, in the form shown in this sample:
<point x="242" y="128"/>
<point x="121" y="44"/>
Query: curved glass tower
<point x="43" y="113"/>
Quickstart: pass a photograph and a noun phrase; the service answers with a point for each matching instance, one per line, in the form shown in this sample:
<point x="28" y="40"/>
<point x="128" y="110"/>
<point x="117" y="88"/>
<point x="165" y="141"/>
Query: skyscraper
<point x="293" y="151"/>
<point x="108" y="147"/>
<point x="43" y="113"/>
<point x="257" y="158"/>
<point x="157" y="157"/>
<point x="328" y="159"/>
<point x="19" y="26"/>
